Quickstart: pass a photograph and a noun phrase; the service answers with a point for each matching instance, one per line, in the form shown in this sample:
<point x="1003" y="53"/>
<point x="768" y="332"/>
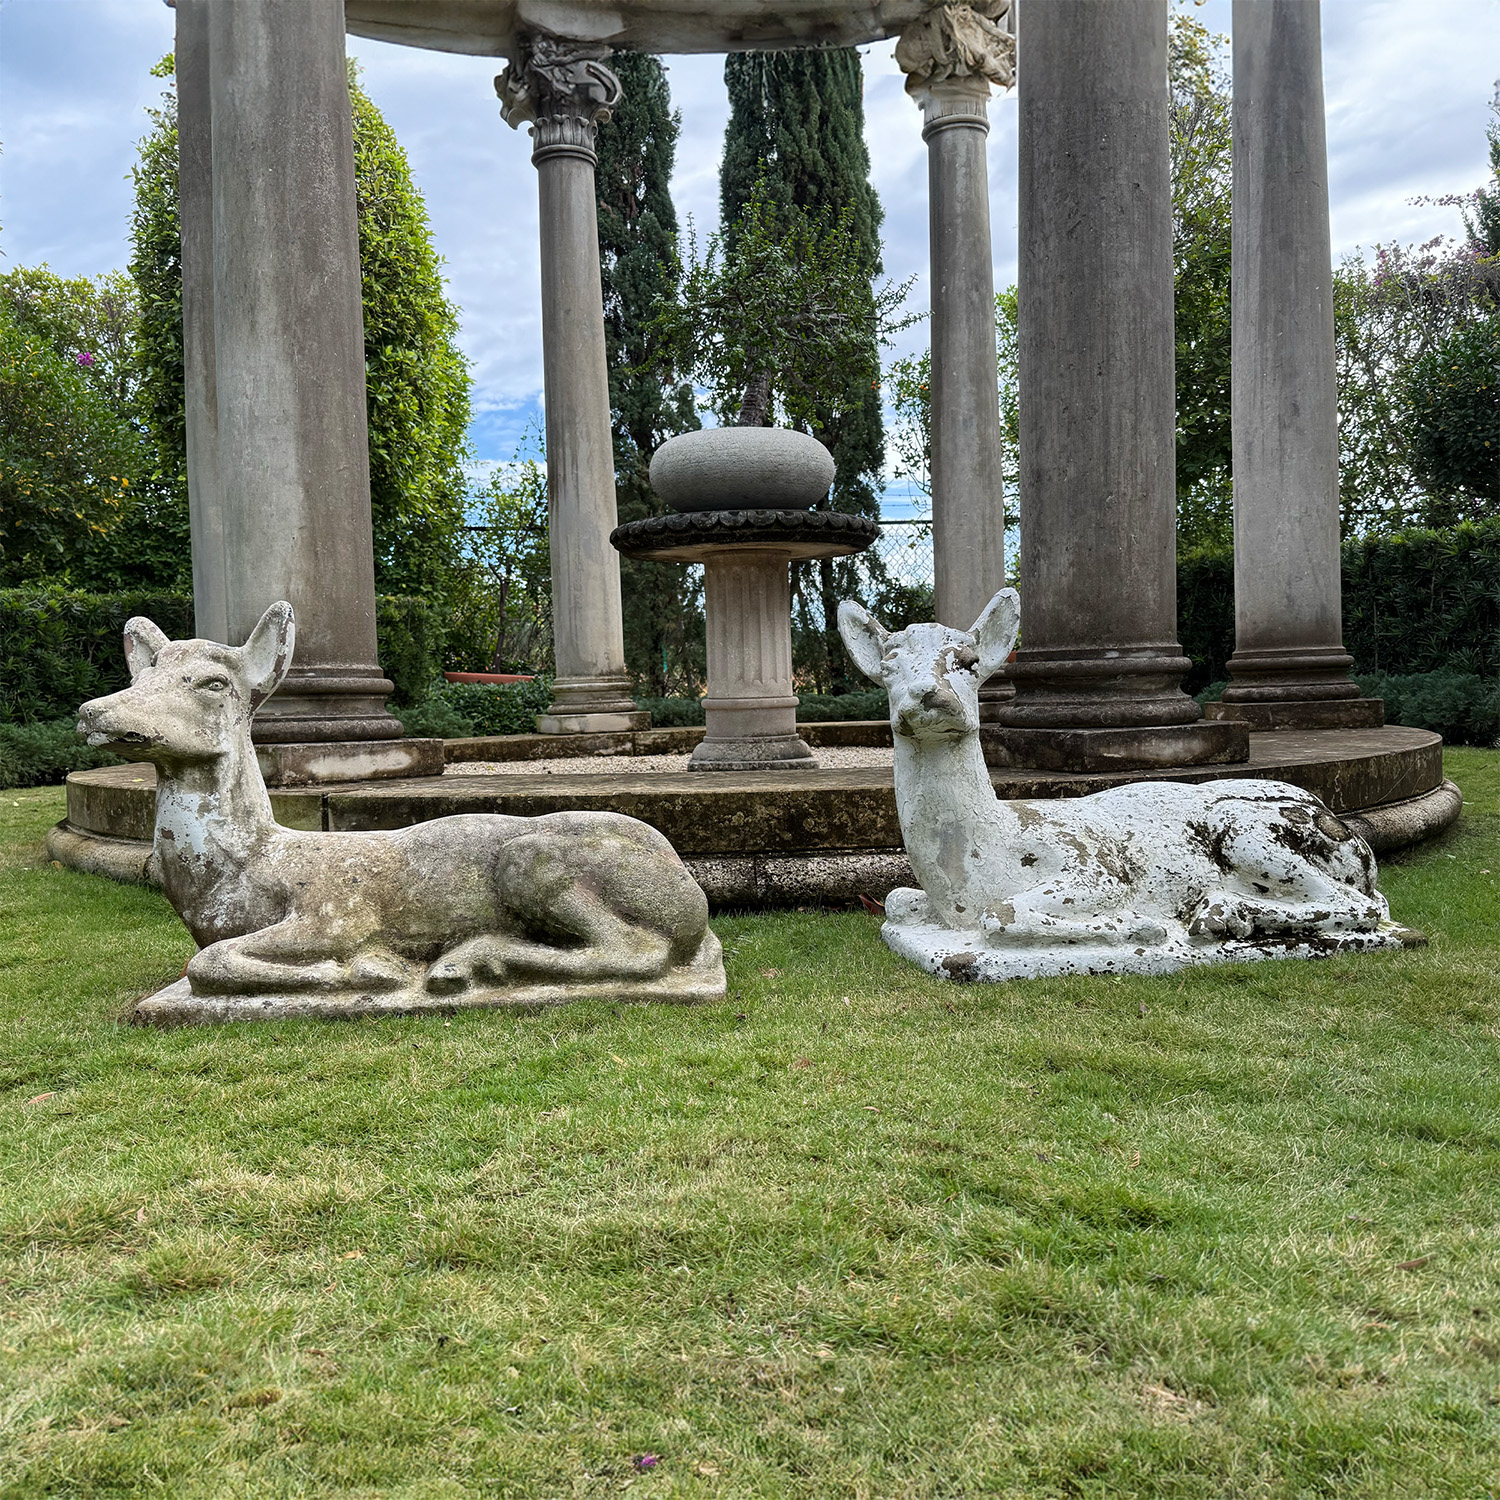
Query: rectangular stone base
<point x="1206" y="743"/>
<point x="313" y="764"/>
<point x="1311" y="713"/>
<point x="592" y="723"/>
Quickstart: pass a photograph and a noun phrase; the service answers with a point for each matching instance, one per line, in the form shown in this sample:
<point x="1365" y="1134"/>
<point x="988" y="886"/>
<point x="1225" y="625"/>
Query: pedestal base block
<point x="348" y="760"/>
<point x="1309" y="713"/>
<point x="966" y="958"/>
<point x="1147" y="748"/>
<point x="593" y="723"/>
<point x="754" y="752"/>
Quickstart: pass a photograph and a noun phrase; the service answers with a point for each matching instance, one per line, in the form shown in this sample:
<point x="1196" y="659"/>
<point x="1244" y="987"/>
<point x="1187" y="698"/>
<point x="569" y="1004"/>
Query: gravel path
<point x="626" y="765"/>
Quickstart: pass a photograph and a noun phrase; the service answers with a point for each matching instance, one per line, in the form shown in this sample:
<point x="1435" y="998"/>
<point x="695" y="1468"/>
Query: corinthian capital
<point x="958" y="40"/>
<point x="563" y="86"/>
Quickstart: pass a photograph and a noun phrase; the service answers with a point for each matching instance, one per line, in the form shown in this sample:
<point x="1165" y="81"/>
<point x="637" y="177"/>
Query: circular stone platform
<point x="761" y="839"/>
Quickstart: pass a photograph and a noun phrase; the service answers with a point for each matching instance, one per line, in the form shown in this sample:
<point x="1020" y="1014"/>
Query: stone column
<point x="292" y="480"/>
<point x="566" y="91"/>
<point x="195" y="216"/>
<point x="1098" y="675"/>
<point x="1289" y="669"/>
<point x="951" y="56"/>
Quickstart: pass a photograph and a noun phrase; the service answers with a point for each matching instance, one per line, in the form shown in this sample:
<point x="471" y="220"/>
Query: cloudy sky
<point x="1409" y="83"/>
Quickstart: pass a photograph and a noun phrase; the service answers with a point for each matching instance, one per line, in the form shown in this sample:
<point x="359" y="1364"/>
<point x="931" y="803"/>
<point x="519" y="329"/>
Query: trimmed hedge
<point x="43" y="754"/>
<point x="59" y="648"/>
<point x="1416" y="601"/>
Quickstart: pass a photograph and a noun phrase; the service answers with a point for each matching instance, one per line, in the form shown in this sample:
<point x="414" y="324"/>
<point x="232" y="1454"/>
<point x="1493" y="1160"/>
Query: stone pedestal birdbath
<point x="741" y="497"/>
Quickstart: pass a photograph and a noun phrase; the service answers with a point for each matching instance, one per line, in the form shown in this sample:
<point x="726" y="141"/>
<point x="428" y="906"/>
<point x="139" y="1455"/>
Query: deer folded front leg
<point x="291" y="958"/>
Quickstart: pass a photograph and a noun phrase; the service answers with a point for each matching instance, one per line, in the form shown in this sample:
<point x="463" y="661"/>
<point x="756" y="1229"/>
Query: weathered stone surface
<point x="1144" y="747"/>
<point x="678" y="741"/>
<point x="493" y="28"/>
<point x="1315" y="713"/>
<point x="358" y="760"/>
<point x="1141" y="879"/>
<point x="487" y="910"/>
<point x="742" y="468"/>
<point x="1399" y="824"/>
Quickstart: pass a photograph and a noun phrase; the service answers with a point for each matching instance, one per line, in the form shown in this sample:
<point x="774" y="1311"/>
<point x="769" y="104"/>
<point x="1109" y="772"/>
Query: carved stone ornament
<point x="1139" y="879"/>
<point x="559" y="80"/>
<point x="958" y="41"/>
<point x="472" y="910"/>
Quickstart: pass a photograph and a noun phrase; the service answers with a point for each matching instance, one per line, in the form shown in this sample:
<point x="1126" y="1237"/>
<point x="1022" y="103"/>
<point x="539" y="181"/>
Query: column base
<point x="555" y="722"/>
<point x="320" y="762"/>
<point x="993" y="694"/>
<point x="332" y="705"/>
<point x="1143" y="748"/>
<point x="592" y="705"/>
<point x="1308" y="713"/>
<point x="754" y="752"/>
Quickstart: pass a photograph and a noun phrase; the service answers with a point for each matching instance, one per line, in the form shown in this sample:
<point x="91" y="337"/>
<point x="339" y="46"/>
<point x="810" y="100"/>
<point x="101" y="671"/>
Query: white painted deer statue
<point x="475" y="910"/>
<point x="1140" y="879"/>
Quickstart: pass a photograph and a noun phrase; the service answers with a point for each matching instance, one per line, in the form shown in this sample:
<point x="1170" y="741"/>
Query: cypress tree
<point x="637" y="231"/>
<point x="797" y="124"/>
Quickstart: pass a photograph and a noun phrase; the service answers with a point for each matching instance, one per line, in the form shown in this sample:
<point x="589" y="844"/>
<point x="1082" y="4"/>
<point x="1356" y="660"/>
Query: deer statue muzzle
<point x="1140" y="879"/>
<point x="474" y="910"/>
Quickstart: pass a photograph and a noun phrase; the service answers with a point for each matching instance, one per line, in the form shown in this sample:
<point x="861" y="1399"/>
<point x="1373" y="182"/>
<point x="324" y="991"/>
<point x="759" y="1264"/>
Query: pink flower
<point x="646" y="1460"/>
<point x="85" y="359"/>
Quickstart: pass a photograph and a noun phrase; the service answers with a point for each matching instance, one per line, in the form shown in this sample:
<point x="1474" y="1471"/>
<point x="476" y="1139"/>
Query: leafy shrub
<point x="1460" y="706"/>
<point x="43" y="754"/>
<point x="59" y="647"/>
<point x="672" y="713"/>
<point x="492" y="708"/>
<point x="434" y="717"/>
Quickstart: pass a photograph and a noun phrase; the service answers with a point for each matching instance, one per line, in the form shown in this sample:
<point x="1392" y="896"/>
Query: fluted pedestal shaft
<point x="278" y="445"/>
<point x="1289" y="669"/>
<point x="565" y="91"/>
<point x="1098" y="676"/>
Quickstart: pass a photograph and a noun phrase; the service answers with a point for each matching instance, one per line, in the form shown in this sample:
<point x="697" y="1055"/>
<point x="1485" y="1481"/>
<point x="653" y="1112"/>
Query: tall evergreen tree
<point x="637" y="232"/>
<point x="796" y="124"/>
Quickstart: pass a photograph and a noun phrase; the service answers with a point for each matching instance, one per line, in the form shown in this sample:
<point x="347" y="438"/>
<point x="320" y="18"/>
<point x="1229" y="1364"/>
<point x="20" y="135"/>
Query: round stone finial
<point x="742" y="468"/>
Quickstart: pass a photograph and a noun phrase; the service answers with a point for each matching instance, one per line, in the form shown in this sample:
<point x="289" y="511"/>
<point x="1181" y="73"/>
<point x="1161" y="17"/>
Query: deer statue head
<point x="189" y="700"/>
<point x="931" y="672"/>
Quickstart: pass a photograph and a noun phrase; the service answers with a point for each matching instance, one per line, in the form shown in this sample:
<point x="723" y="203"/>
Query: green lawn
<point x="855" y="1233"/>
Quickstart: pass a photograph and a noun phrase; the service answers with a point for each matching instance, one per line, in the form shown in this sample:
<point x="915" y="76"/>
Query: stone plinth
<point x="750" y="711"/>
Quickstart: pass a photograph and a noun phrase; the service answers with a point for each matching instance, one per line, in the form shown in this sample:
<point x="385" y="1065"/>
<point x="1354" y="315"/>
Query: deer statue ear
<point x="268" y="653"/>
<point x="142" y="643"/>
<point x="995" y="631"/>
<point x="864" y="636"/>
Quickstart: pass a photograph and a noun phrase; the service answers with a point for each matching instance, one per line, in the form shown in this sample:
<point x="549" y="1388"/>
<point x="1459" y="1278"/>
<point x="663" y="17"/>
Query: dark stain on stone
<point x="960" y="967"/>
<point x="1211" y="841"/>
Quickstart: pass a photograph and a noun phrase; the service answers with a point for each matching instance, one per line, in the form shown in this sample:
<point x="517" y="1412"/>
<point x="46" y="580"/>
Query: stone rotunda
<point x="278" y="480"/>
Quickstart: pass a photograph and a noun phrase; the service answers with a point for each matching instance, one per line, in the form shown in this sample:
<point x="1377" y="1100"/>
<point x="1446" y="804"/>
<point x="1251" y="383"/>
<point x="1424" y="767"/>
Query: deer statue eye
<point x="213" y="684"/>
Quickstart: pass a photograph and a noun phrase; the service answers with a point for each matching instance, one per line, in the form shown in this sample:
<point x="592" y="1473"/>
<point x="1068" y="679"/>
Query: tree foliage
<point x="649" y="402"/>
<point x="1454" y="397"/>
<point x="417" y="381"/>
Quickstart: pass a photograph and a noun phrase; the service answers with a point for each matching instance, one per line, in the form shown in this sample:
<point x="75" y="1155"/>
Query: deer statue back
<point x="474" y="910"/>
<point x="1139" y="879"/>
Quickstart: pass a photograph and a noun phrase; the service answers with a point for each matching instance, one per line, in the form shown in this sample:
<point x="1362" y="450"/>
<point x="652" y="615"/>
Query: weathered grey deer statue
<point x="476" y="910"/>
<point x="1140" y="879"/>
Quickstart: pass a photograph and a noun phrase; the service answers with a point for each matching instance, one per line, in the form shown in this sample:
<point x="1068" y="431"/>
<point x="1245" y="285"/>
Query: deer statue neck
<point x="211" y="814"/>
<point x="949" y="817"/>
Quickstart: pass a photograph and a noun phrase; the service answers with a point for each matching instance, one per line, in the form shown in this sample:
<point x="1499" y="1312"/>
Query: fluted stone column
<point x="951" y="57"/>
<point x="1099" y="672"/>
<point x="195" y="216"/>
<point x="566" y="91"/>
<point x="1289" y="669"/>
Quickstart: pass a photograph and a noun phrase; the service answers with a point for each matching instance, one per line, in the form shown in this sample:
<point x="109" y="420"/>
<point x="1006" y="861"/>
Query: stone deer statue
<point x="1139" y="879"/>
<point x="475" y="910"/>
